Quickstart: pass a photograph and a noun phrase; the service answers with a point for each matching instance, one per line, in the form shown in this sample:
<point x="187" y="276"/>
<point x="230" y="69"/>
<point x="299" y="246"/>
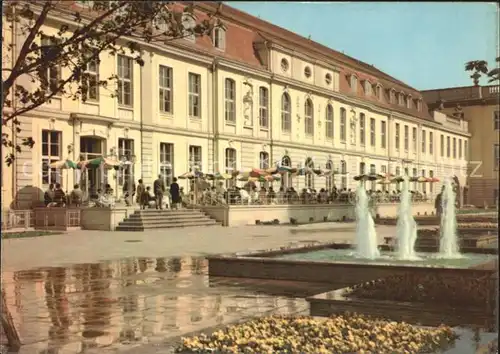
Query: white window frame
<point x="92" y="80"/>
<point x="343" y="124"/>
<point x="424" y="142"/>
<point x="414" y="139"/>
<point x="460" y="149"/>
<point x="441" y="145"/>
<point x="53" y="74"/>
<point x="194" y="93"/>
<point x="166" y="162"/>
<point x="264" y="107"/>
<point x="264" y="160"/>
<point x="448" y="146"/>
<point x="125" y="76"/>
<point x="354" y="83"/>
<point x="431" y="143"/>
<point x="343" y="171"/>
<point x="454" y="148"/>
<point x="286" y="113"/>
<point x="230" y="101"/>
<point x="51" y="175"/>
<point x="125" y="152"/>
<point x="383" y="134"/>
<point x="368" y="88"/>
<point x="407" y="137"/>
<point x="373" y="127"/>
<point x="165" y="94"/>
<point x="329" y="179"/>
<point x="196" y="157"/>
<point x="329" y="127"/>
<point x="397" y="137"/>
<point x="362" y="129"/>
<point x="308" y="117"/>
<point x="230" y="166"/>
<point x="219" y="38"/>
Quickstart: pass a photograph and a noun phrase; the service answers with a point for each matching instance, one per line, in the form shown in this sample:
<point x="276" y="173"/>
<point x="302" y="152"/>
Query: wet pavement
<point x="117" y="305"/>
<point x="108" y="292"/>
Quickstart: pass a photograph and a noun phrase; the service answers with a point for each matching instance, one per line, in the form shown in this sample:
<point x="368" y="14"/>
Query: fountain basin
<point x="303" y="264"/>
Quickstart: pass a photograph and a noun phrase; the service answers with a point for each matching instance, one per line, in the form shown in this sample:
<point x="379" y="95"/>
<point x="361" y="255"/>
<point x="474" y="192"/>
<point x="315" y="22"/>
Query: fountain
<point x="366" y="237"/>
<point x="406" y="229"/>
<point x="448" y="245"/>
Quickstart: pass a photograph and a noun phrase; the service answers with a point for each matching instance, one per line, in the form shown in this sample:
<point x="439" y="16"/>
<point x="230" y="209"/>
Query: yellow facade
<point x="99" y="127"/>
<point x="478" y="106"/>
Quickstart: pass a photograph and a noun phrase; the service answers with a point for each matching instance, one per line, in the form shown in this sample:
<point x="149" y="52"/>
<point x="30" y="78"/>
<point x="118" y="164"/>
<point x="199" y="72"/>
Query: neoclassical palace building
<point x="249" y="96"/>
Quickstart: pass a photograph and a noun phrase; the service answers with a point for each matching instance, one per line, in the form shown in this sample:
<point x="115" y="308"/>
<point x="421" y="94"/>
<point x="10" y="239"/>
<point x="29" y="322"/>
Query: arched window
<point x="343" y="172"/>
<point x="329" y="122"/>
<point x="309" y="117"/>
<point x="230" y="164"/>
<point x="286" y="180"/>
<point x="286" y="113"/>
<point x="329" y="178"/>
<point x="309" y="175"/>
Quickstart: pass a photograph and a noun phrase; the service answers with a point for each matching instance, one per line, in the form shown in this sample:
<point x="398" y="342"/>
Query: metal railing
<point x="18" y="219"/>
<point x="291" y="198"/>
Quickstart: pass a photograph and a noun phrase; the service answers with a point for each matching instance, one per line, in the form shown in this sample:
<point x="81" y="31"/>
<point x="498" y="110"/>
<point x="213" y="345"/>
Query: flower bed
<point x="434" y="289"/>
<point x="350" y="333"/>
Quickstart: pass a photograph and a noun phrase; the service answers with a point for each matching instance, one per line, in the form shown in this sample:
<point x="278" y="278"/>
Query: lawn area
<point x="22" y="234"/>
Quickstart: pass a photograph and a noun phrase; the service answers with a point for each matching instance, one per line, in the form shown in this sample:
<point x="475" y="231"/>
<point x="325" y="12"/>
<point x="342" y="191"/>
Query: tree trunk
<point x="8" y="326"/>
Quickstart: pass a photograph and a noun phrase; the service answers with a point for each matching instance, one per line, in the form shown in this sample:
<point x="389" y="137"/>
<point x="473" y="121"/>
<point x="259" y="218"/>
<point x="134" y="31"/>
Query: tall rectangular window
<point x="397" y="136"/>
<point x="407" y="133"/>
<point x="448" y="147"/>
<point x="424" y="185"/>
<point x="424" y="142"/>
<point x="125" y="153"/>
<point x="166" y="87"/>
<point x="343" y="172"/>
<point x="230" y="164"/>
<point x="383" y="171"/>
<point x="91" y="80"/>
<point x="167" y="162"/>
<point x="496" y="120"/>
<point x="194" y="92"/>
<point x="415" y="175"/>
<point x="431" y="143"/>
<point x="51" y="152"/>
<point x="383" y="133"/>
<point x="414" y="139"/>
<point x="230" y="100"/>
<point x="373" y="170"/>
<point x="459" y="148"/>
<point x="362" y="168"/>
<point x="125" y="81"/>
<point x="362" y="132"/>
<point x="372" y="132"/>
<point x="195" y="159"/>
<point x="442" y="145"/>
<point x="466" y="150"/>
<point x="454" y="148"/>
<point x="53" y="74"/>
<point x="431" y="185"/>
<point x="343" y="124"/>
<point x="264" y="107"/>
<point x="329" y="122"/>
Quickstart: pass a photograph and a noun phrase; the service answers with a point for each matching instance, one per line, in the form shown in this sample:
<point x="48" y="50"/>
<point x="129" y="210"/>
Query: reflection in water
<point x="126" y="301"/>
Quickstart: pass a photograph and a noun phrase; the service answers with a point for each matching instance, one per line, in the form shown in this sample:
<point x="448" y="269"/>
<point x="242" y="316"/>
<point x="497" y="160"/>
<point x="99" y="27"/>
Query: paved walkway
<point x="93" y="246"/>
<point x="103" y="292"/>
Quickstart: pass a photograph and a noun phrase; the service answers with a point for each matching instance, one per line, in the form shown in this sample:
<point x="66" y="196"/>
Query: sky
<point x="425" y="45"/>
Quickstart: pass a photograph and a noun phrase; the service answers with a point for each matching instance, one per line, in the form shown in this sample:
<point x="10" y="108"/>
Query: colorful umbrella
<point x="276" y="177"/>
<point x="256" y="172"/>
<point x="272" y="170"/>
<point x="63" y="164"/>
<point x="384" y="181"/>
<point x="191" y="175"/>
<point x="420" y="179"/>
<point x="284" y="169"/>
<point x="365" y="178"/>
<point x="219" y="175"/>
<point x="98" y="161"/>
<point x="397" y="179"/>
<point x="433" y="179"/>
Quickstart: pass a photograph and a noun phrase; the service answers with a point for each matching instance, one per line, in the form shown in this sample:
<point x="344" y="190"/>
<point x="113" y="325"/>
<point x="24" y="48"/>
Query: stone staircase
<point x="149" y="219"/>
